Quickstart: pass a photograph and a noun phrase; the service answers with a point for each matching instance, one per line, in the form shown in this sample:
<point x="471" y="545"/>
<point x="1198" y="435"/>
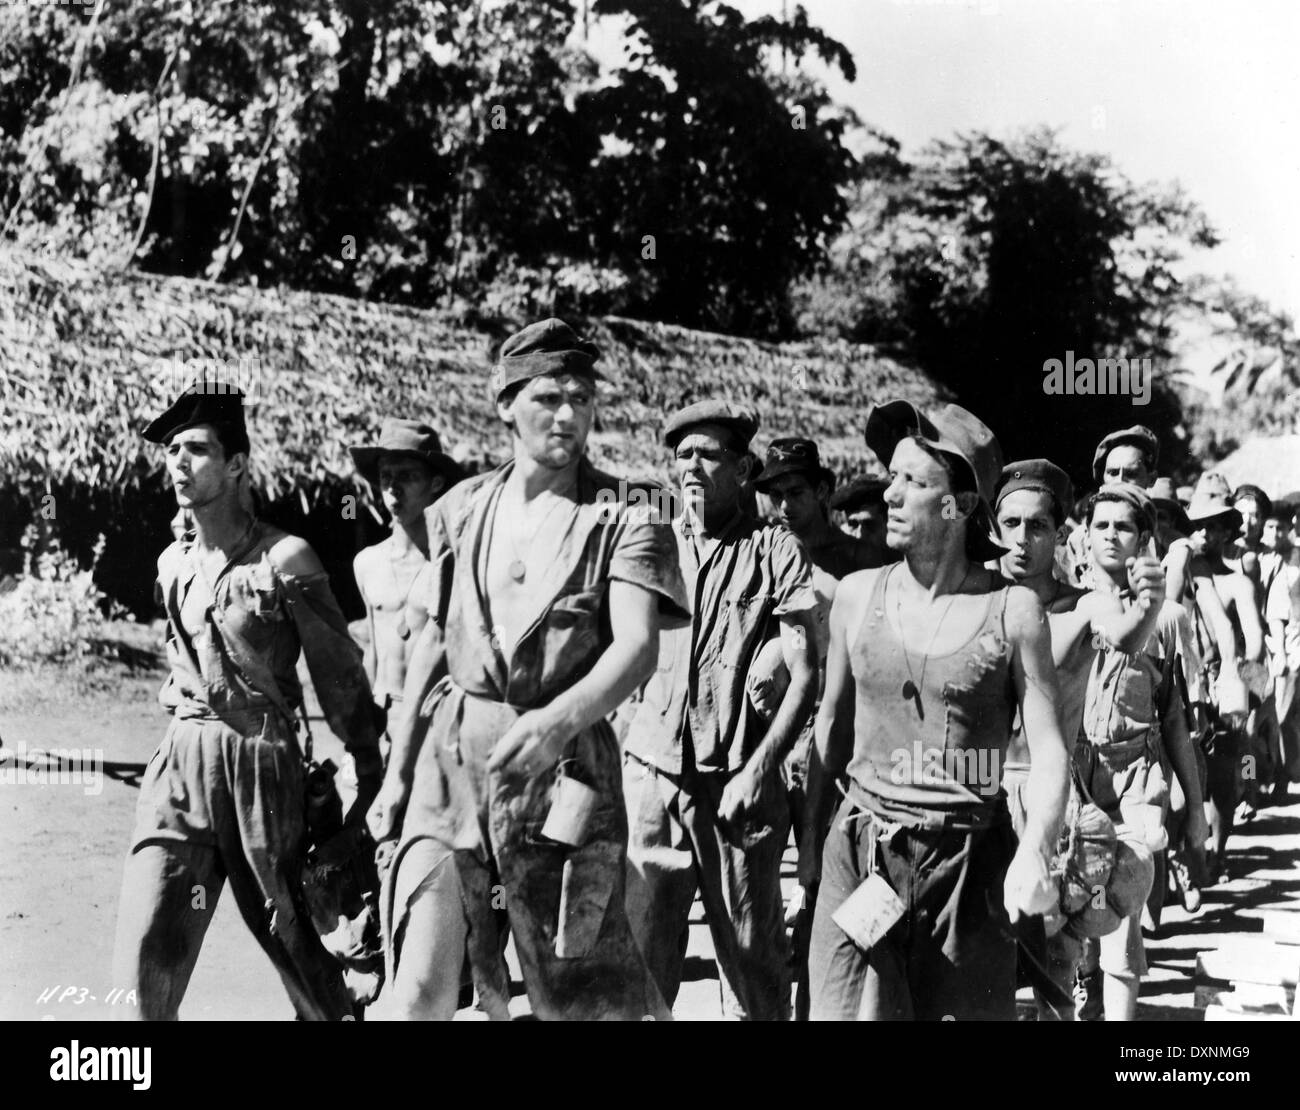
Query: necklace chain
<point x="911" y="689"/>
<point x="518" y="567"/>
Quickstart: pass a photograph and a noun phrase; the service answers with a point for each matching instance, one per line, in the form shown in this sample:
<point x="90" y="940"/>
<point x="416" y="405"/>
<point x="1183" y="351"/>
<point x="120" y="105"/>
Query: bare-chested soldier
<point x="547" y="592"/>
<point x="1030" y="502"/>
<point x="408" y="468"/>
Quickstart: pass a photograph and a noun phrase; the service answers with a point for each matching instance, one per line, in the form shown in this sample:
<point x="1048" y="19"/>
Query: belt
<point x="892" y="813"/>
<point x="246" y="719"/>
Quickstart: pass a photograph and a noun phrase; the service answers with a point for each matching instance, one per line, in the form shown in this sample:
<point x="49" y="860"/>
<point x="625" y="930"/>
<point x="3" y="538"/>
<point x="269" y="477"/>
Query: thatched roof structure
<point x="88" y="356"/>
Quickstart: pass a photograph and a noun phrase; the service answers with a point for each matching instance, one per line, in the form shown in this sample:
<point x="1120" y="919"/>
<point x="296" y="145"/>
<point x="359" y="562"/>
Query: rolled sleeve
<point x="646" y="556"/>
<point x="334" y="660"/>
<point x="791" y="576"/>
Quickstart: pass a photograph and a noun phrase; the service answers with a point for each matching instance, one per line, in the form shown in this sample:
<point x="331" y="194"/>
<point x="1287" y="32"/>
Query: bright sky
<point x="1206" y="92"/>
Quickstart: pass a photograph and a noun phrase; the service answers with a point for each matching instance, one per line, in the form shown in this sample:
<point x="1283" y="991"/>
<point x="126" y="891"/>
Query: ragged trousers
<point x="675" y="848"/>
<point x="220" y="803"/>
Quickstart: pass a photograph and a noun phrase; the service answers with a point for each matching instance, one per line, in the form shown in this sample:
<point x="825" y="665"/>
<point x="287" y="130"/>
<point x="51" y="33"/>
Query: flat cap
<point x="1138" y="436"/>
<point x="548" y="347"/>
<point x="739" y="419"/>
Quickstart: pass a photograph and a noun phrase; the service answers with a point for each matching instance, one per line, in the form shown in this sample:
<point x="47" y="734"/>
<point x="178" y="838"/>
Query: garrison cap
<point x="548" y="347"/>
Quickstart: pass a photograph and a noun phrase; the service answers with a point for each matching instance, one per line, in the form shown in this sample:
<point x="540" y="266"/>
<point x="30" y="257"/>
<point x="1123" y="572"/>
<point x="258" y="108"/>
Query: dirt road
<point x="63" y="847"/>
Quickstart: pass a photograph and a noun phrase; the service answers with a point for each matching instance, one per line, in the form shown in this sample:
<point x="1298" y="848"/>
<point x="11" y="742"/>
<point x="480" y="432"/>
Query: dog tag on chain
<point x="518" y="570"/>
<point x="869" y="912"/>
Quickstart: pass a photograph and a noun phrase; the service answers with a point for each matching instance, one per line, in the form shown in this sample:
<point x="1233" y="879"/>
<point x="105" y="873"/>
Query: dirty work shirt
<point x="223" y="795"/>
<point x="585" y="965"/>
<point x="693" y="729"/>
<point x="751" y="574"/>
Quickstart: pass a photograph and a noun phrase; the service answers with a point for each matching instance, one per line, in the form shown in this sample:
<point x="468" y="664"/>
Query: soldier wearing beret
<point x="222" y="799"/>
<point x="545" y="599"/>
<point x="702" y="773"/>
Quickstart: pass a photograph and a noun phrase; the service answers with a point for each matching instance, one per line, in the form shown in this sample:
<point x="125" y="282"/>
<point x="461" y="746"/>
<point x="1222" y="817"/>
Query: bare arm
<point x="1028" y="886"/>
<point x="1252" y="629"/>
<point x="832" y="732"/>
<point x="368" y="657"/>
<point x="1211" y="608"/>
<point x="534" y="742"/>
<point x="1128" y="628"/>
<point x="1182" y="757"/>
<point x="799" y="651"/>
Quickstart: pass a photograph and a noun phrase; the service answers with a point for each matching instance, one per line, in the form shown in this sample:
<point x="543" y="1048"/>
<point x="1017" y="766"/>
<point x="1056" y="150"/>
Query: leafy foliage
<point x="467" y="153"/>
<point x="54" y="611"/>
<point x="986" y="258"/>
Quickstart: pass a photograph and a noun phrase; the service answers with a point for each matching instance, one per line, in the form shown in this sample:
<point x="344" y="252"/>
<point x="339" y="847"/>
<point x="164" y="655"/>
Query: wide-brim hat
<point x="409" y="438"/>
<point x="955" y="431"/>
<point x="1212" y="500"/>
<point x="1164" y="496"/>
<point x="202" y="403"/>
<point x="793" y="455"/>
<point x="1138" y="436"/>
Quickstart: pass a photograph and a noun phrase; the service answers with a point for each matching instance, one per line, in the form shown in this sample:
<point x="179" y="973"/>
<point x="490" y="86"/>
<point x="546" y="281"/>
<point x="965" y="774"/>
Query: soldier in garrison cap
<point x="1030" y="504"/>
<point x="705" y="800"/>
<point x="545" y="598"/>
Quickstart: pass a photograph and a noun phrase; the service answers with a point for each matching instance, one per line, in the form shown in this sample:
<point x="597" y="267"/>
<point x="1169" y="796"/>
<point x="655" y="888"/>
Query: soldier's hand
<point x="530" y="746"/>
<point x="740" y="796"/>
<point x="1146" y="578"/>
<point x="384" y="817"/>
<point x="1029" y="888"/>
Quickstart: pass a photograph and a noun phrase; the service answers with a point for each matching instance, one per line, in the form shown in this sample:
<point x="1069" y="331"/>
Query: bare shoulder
<point x="1025" y="614"/>
<point x="170" y="558"/>
<point x="854" y="592"/>
<point x="294" y="555"/>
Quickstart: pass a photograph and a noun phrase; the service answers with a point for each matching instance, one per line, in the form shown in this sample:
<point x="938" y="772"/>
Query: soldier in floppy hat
<point x="930" y="659"/>
<point x="546" y="596"/>
<point x="702" y="774"/>
<point x="410" y="471"/>
<point x="222" y="800"/>
<point x="1215" y="523"/>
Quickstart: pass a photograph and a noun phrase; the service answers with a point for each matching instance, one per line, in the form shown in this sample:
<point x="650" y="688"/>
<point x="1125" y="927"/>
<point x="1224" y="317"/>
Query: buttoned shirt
<point x="231" y="639"/>
<point x="747" y="577"/>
